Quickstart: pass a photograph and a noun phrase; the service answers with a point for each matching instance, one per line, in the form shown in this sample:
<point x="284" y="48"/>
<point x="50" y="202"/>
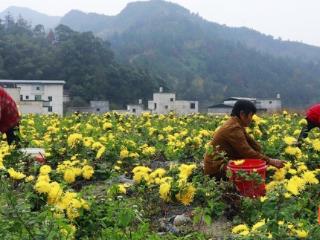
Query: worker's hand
<point x="277" y="163"/>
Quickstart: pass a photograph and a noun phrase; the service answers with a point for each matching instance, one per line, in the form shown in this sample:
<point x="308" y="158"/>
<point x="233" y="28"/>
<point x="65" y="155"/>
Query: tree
<point x="39" y="31"/>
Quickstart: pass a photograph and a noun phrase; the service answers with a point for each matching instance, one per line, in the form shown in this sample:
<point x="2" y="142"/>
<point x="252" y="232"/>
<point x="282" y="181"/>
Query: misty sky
<point x="289" y="19"/>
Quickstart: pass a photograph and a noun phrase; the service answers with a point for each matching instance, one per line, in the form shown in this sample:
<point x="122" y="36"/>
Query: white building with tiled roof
<point x="164" y="103"/>
<point x="36" y="96"/>
<point x="269" y="105"/>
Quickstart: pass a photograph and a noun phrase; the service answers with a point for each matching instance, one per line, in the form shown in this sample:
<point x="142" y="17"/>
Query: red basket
<point x="249" y="188"/>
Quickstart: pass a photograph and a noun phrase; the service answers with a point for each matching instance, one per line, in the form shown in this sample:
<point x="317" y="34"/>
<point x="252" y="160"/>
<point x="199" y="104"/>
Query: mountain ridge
<point x="202" y="59"/>
<point x="32" y="16"/>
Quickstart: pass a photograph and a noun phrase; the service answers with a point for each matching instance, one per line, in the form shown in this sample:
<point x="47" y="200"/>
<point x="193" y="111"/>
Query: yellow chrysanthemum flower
<point x="164" y="191"/>
<point x="301" y="233"/>
<point x="15" y="175"/>
<point x="238" y="162"/>
<point x="45" y="169"/>
<point x="69" y="175"/>
<point x="316" y="144"/>
<point x="185" y="196"/>
<point x="74" y="139"/>
<point x="42" y="187"/>
<point x="87" y="172"/>
<point x="240" y="228"/>
<point x="289" y="140"/>
<point x="258" y="225"/>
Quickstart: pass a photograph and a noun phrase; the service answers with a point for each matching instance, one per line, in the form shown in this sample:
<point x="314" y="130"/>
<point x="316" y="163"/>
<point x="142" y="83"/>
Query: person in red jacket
<point x="9" y="117"/>
<point x="313" y="121"/>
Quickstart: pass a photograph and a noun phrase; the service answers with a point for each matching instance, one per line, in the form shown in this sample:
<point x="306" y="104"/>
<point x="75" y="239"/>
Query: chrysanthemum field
<point x="125" y="177"/>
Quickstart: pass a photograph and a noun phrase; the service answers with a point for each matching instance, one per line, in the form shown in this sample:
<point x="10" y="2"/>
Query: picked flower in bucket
<point x="238" y="162"/>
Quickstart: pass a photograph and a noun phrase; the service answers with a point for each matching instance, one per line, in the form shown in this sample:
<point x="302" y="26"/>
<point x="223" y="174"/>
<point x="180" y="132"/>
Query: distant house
<point x="220" y="109"/>
<point x="136" y="109"/>
<point x="164" y="103"/>
<point x="97" y="107"/>
<point x="36" y="96"/>
<point x="269" y="105"/>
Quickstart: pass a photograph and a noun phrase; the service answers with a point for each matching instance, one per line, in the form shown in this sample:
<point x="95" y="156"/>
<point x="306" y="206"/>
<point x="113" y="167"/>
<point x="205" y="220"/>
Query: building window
<point x="192" y="105"/>
<point x="166" y="106"/>
<point x="171" y="99"/>
<point x="49" y="109"/>
<point x="37" y="97"/>
<point x="21" y="97"/>
<point x="50" y="98"/>
<point x="155" y="105"/>
<point x="133" y="110"/>
<point x="37" y="87"/>
<point x="98" y="109"/>
<point x="27" y="97"/>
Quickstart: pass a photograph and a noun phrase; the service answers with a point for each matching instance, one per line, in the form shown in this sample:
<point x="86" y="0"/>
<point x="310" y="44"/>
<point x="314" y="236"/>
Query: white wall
<point x="220" y="110"/>
<point x="14" y="93"/>
<point x="164" y="103"/>
<point x="56" y="92"/>
<point x="272" y="105"/>
<point x="29" y="92"/>
<point x="184" y="107"/>
<point x="138" y="108"/>
<point x="99" y="106"/>
<point x="35" y="107"/>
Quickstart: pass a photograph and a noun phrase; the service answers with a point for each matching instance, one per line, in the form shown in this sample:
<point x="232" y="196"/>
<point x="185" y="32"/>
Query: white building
<point x="136" y="109"/>
<point x="164" y="103"/>
<point x="36" y="96"/>
<point x="269" y="105"/>
<point x="220" y="109"/>
<point x="97" y="107"/>
<point x="100" y="106"/>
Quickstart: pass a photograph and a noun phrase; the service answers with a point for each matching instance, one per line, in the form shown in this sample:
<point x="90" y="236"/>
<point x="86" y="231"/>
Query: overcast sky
<point x="289" y="19"/>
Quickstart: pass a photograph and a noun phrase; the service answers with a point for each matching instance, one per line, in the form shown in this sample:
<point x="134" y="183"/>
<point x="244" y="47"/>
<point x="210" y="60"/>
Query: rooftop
<point x="221" y="105"/>
<point x="58" y="82"/>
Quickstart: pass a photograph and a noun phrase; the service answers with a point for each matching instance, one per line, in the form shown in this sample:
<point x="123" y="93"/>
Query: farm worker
<point x="231" y="141"/>
<point x="9" y="117"/>
<point x="313" y="121"/>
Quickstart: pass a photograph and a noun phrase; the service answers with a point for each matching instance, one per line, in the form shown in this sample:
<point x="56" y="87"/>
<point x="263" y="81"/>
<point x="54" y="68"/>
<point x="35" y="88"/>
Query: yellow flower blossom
<point x="185" y="196"/>
<point x="101" y="151"/>
<point x="316" y="144"/>
<point x="164" y="191"/>
<point x="240" y="228"/>
<point x="69" y="175"/>
<point x="42" y="187"/>
<point x="16" y="175"/>
<point x="87" y="172"/>
<point x="289" y="140"/>
<point x="301" y="233"/>
<point x="258" y="225"/>
<point x="309" y="177"/>
<point x="122" y="188"/>
<point x="74" y="139"/>
<point x="238" y="162"/>
<point x="124" y="153"/>
<point x="29" y="178"/>
<point x="45" y="169"/>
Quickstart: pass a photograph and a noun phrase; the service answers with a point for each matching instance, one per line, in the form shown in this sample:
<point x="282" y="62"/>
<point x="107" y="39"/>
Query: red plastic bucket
<point x="248" y="188"/>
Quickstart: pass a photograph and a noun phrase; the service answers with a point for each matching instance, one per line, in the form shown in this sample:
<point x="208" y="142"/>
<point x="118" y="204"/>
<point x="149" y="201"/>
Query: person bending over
<point x="232" y="141"/>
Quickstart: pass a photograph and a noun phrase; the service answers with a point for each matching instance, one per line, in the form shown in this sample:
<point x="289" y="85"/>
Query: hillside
<point x="204" y="60"/>
<point x="84" y="61"/>
<point x="208" y="61"/>
<point x="139" y="13"/>
<point x="33" y="17"/>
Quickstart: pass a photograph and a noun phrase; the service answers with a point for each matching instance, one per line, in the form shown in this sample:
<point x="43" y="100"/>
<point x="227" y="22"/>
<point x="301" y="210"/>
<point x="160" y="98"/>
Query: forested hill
<point x="200" y="59"/>
<point x="137" y="14"/>
<point x="32" y="17"/>
<point x="84" y="61"/>
<point x="205" y="60"/>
